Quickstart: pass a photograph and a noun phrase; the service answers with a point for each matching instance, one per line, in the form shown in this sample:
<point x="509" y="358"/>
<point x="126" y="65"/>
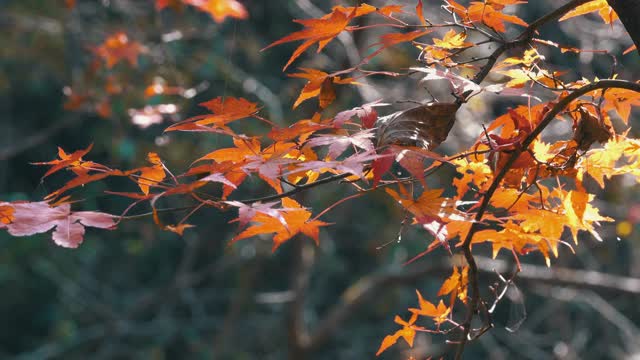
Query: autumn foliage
<point x="515" y="191"/>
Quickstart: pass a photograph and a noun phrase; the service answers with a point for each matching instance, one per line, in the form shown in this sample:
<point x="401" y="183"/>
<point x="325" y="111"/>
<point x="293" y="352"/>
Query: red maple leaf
<point x="118" y="47"/>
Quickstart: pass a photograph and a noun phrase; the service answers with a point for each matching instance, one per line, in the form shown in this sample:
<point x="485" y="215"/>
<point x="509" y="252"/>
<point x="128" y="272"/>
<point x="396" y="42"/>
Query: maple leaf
<point x="621" y="101"/>
<point x="296" y="220"/>
<point x="29" y="218"/>
<point x="224" y="109"/>
<point x="365" y="9"/>
<point x="519" y="77"/>
<point x="489" y="13"/>
<point x="456" y="284"/>
<point x="420" y="13"/>
<point x="246" y="212"/>
<point x="320" y="31"/>
<point x="72" y="161"/>
<point x="388" y="40"/>
<point x="151" y="175"/>
<point x="516" y="126"/>
<point x="605" y="162"/>
<point x="354" y="164"/>
<point x="601" y="6"/>
<point x="580" y="214"/>
<point x="244" y="148"/>
<point x="381" y="166"/>
<point x="118" y="47"/>
<point x="459" y="85"/>
<point x="476" y="173"/>
<point x="221" y="178"/>
<point x="316" y="83"/>
<point x="528" y="59"/>
<point x="452" y="40"/>
<point x="407" y="332"/>
<point x="429" y="206"/>
<point x="514" y="238"/>
<point x="366" y="113"/>
<point x="518" y="120"/>
<point x="338" y="144"/>
<point x="301" y="130"/>
<point x="248" y="157"/>
<point x="178" y="229"/>
<point x="437" y="313"/>
<point x="220" y="9"/>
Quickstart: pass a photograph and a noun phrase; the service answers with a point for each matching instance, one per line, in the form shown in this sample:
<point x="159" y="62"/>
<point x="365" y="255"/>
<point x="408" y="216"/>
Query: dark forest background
<point x="141" y="293"/>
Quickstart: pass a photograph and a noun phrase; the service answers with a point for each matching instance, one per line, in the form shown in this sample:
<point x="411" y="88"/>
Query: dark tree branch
<point x="629" y="13"/>
<point x="525" y="37"/>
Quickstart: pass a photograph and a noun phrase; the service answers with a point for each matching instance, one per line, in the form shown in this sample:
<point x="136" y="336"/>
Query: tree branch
<point x="525" y="37"/>
<point x="629" y="13"/>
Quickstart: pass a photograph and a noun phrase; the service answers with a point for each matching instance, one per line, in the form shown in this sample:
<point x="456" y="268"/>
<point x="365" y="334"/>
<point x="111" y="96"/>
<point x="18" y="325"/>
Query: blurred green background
<point x="141" y="293"/>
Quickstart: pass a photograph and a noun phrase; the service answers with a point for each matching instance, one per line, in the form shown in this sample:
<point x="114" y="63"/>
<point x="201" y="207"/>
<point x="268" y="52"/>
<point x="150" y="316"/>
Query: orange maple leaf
<point x="456" y="284"/>
<point x="244" y="148"/>
<point x="388" y="40"/>
<point x="178" y="229"/>
<point x="601" y="6"/>
<point x="437" y="313"/>
<point x="365" y="9"/>
<point x="489" y="13"/>
<point x="220" y="9"/>
<point x="515" y="239"/>
<point x="316" y="83"/>
<point x="151" y="175"/>
<point x="301" y="130"/>
<point x="605" y="163"/>
<point x="430" y="205"/>
<point x="296" y="220"/>
<point x="320" y="31"/>
<point x="621" y="101"/>
<point x="72" y="161"/>
<point x="420" y="13"/>
<point x="118" y="47"/>
<point x="407" y="332"/>
<point x="580" y="214"/>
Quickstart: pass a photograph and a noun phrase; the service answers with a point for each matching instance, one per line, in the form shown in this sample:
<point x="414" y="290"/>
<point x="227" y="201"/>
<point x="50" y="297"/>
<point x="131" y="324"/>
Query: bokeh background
<point x="141" y="293"/>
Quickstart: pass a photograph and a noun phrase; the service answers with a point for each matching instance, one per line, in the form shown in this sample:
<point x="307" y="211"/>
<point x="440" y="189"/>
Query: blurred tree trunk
<point x="629" y="13"/>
